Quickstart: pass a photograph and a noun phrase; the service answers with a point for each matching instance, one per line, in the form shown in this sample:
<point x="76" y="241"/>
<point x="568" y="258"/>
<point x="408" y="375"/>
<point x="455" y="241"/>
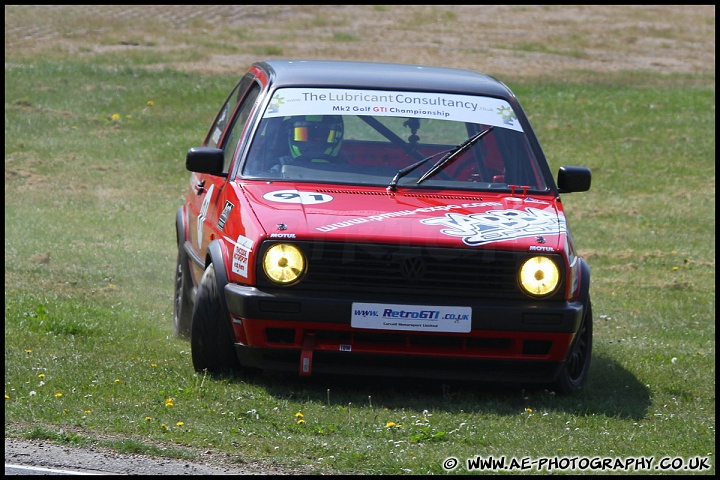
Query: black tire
<point x="182" y="311"/>
<point x="211" y="336"/>
<point x="574" y="375"/>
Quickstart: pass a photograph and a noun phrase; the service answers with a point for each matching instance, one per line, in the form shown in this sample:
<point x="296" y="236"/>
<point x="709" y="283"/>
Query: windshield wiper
<point x="405" y="170"/>
<point x="453" y="154"/>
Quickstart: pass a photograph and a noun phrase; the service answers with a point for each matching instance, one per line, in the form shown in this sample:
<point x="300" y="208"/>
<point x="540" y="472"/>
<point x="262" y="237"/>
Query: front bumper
<point x="525" y="341"/>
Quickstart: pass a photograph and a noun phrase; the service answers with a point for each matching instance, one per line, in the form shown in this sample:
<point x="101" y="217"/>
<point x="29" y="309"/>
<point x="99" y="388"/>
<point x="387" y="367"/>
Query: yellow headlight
<point x="284" y="263"/>
<point x="539" y="276"/>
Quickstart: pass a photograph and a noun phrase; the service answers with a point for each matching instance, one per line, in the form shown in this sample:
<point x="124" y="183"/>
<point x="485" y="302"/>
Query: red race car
<point x="380" y="219"/>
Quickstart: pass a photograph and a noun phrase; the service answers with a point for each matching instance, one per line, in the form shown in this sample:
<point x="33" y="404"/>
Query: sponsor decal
<point x="294" y="196"/>
<point x="225" y="214"/>
<point x="203" y="214"/>
<point x="499" y="225"/>
<point x="539" y="248"/>
<point x="282" y="235"/>
<point x="388" y="103"/>
<point x="241" y="255"/>
<point x="403" y="213"/>
<point x="418" y="318"/>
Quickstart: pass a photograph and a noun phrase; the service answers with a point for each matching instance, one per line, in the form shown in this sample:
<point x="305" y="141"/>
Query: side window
<point x="232" y="137"/>
<point x="223" y="117"/>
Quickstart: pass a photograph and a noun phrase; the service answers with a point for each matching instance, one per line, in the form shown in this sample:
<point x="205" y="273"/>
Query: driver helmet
<point x="311" y="135"/>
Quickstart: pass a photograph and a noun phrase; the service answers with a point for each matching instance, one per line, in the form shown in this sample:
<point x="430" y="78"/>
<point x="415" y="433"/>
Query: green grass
<point x="94" y="171"/>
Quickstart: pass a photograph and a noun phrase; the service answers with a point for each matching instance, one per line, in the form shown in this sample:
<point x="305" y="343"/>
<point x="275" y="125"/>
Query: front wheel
<point x="574" y="375"/>
<point x="211" y="335"/>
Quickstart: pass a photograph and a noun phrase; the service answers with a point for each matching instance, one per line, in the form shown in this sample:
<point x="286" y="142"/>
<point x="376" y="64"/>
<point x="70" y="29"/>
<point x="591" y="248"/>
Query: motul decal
<point x="499" y="225"/>
<point x="540" y="248"/>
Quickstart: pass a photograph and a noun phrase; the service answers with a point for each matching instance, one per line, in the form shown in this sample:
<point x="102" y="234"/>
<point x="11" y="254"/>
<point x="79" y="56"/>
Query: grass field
<point x="97" y="123"/>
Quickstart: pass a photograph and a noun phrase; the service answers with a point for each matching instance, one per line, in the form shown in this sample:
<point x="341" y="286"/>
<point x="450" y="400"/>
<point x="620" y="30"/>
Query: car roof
<point x="378" y="75"/>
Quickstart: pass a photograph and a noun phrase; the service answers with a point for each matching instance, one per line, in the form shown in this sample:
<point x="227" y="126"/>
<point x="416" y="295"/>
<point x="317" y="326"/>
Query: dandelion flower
<point x="528" y="410"/>
<point x="115" y="117"/>
<point x="147" y="419"/>
<point x="153" y="364"/>
<point x="7" y="396"/>
<point x="41" y="375"/>
<point x="117" y="380"/>
<point x="675" y="268"/>
<point x="299" y="415"/>
<point x="150" y="103"/>
<point x="58" y="395"/>
<point x="165" y="427"/>
<point x="389" y="424"/>
<point x="180" y="424"/>
<point x="169" y="402"/>
<point x="28" y="351"/>
<point x="300" y="422"/>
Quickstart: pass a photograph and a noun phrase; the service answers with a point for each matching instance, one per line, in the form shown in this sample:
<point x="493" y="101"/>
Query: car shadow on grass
<point x="612" y="391"/>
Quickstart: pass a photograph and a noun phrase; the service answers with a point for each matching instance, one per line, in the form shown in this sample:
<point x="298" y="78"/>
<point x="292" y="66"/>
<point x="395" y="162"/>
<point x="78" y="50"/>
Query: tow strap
<point x="306" y="353"/>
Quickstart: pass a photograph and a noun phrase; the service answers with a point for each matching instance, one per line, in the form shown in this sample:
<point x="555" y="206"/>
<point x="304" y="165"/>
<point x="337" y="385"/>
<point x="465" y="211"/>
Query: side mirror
<point x="206" y="160"/>
<point x="574" y="179"/>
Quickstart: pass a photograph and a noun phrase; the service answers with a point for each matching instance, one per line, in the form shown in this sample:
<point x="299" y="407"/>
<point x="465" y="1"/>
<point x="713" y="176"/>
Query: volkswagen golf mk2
<point x="380" y="219"/>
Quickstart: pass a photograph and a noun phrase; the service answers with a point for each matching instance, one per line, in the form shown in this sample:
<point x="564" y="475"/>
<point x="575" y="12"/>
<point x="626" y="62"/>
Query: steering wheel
<point x="307" y="158"/>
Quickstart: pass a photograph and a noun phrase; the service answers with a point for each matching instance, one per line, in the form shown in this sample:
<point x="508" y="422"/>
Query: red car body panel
<point x="375" y="215"/>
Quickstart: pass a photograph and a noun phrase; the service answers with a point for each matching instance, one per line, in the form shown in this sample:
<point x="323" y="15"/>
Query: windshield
<point x="365" y="137"/>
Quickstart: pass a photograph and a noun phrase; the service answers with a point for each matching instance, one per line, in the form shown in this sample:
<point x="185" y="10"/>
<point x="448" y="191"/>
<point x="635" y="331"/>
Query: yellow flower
<point x="41" y="375"/>
<point x="147" y="419"/>
<point x="389" y="424"/>
<point x="300" y="422"/>
<point x="528" y="410"/>
<point x="87" y="411"/>
<point x="58" y="395"/>
<point x="28" y="351"/>
<point x="180" y="424"/>
<point x="675" y="268"/>
<point x="299" y="415"/>
<point x="150" y="103"/>
<point x="117" y="380"/>
<point x="7" y="396"/>
<point x="153" y="364"/>
<point x="165" y="426"/>
<point x="115" y="117"/>
<point x="169" y="402"/>
<point x="128" y="117"/>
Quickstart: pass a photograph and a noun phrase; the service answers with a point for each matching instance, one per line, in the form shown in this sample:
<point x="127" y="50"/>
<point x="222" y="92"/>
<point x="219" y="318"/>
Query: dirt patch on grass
<point x="508" y="41"/>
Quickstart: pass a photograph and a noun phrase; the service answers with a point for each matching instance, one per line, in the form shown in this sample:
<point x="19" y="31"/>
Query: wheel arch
<point x="216" y="254"/>
<point x="181" y="226"/>
<point x="584" y="295"/>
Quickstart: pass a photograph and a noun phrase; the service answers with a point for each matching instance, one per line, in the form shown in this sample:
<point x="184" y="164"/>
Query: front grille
<point x="410" y="270"/>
